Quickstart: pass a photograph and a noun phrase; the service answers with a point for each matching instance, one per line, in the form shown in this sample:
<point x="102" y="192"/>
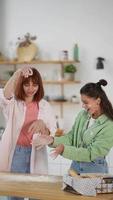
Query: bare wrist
<point x="62" y="147"/>
<point x="48" y="131"/>
<point x="52" y="140"/>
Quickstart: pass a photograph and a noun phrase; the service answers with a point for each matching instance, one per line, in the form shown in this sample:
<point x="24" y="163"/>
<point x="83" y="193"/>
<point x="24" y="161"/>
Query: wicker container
<point x="26" y="54"/>
<point x="88" y="184"/>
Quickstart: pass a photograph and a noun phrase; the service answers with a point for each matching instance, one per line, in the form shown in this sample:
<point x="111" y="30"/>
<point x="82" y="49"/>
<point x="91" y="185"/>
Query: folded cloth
<point x="39" y="160"/>
<point x="84" y="186"/>
<point x="39" y="141"/>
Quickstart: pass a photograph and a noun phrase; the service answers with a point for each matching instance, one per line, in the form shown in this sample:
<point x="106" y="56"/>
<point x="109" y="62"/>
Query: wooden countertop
<point x="40" y="187"/>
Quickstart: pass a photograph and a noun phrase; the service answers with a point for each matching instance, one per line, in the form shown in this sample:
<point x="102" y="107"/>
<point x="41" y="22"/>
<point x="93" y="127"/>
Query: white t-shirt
<point x="91" y="122"/>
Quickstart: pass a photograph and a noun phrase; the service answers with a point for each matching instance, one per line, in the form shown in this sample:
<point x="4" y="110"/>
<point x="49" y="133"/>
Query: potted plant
<point x="69" y="72"/>
<point x="26" y="48"/>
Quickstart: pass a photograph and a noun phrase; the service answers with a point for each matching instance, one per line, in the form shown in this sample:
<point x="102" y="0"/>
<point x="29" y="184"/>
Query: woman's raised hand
<point x="26" y="72"/>
<point x="12" y="82"/>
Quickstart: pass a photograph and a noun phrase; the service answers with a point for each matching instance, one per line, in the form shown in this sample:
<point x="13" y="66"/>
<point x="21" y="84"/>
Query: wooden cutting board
<point x="40" y="187"/>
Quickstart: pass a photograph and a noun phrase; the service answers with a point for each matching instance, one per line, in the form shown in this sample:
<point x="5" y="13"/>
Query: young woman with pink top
<point x="27" y="115"/>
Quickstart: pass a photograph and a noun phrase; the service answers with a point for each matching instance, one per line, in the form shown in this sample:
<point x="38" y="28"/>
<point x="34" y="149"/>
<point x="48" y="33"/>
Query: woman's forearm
<point x="11" y="84"/>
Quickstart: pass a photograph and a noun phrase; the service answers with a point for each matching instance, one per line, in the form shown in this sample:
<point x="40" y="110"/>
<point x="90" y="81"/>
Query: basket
<point x="88" y="185"/>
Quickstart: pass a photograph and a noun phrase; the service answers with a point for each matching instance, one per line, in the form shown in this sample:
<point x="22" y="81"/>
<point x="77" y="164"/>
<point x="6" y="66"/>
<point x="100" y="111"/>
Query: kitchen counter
<point x="40" y="187"/>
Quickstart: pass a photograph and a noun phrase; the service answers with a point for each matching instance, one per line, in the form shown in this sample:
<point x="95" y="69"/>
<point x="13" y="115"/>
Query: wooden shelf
<point x="3" y="82"/>
<point x="15" y="62"/>
<point x="63" y="102"/>
<point x="60" y="82"/>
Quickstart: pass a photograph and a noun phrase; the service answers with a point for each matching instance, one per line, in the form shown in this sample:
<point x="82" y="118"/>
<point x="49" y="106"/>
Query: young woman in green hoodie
<point x="91" y="136"/>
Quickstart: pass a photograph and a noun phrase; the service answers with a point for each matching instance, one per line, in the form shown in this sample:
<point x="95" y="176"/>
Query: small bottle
<point x="65" y="55"/>
<point x="76" y="53"/>
<point x="74" y="99"/>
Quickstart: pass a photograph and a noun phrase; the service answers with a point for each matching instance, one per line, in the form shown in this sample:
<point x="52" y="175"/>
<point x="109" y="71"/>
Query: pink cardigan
<point x="14" y="112"/>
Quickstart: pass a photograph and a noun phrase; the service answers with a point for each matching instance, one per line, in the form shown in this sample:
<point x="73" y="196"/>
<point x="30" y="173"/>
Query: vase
<point x="76" y="53"/>
<point x="69" y="76"/>
<point x="27" y="54"/>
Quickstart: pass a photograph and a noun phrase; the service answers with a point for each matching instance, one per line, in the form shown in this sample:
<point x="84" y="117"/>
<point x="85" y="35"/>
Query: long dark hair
<point x="95" y="91"/>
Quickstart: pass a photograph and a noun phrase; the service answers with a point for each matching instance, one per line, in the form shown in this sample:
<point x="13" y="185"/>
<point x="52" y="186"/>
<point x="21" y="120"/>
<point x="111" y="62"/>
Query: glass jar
<point x="64" y="55"/>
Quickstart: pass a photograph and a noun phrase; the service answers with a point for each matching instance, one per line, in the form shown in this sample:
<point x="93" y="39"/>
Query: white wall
<point x="2" y="24"/>
<point x="58" y="25"/>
